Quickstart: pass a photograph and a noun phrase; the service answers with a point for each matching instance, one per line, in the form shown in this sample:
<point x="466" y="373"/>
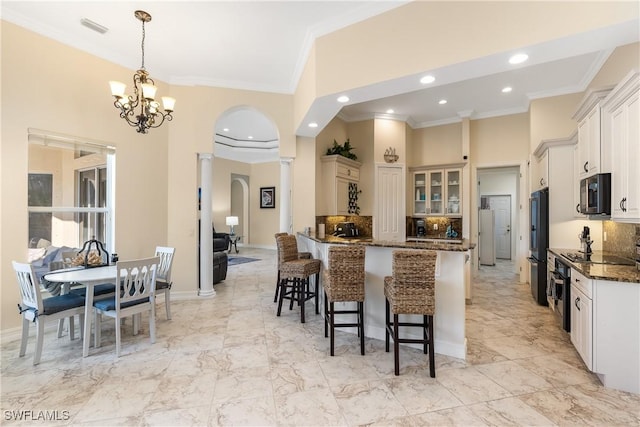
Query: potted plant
<point x="342" y="150"/>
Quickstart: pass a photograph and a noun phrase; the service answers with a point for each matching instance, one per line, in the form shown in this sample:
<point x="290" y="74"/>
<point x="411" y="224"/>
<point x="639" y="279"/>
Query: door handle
<point x="578" y="208"/>
<point x="508" y="228"/>
<point x="577" y="303"/>
<point x="586" y="169"/>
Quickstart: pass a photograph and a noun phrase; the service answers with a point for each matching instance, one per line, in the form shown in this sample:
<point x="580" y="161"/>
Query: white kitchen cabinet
<point x="437" y="192"/>
<point x="588" y="116"/>
<point x="339" y="175"/>
<point x="616" y="334"/>
<point x="582" y="317"/>
<point x="621" y="142"/>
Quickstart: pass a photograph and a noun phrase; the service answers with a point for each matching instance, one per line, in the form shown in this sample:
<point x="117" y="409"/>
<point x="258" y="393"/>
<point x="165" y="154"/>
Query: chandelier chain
<point x="143" y="34"/>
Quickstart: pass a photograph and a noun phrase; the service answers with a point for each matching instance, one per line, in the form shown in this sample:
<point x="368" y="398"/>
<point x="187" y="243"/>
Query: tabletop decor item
<point x="89" y="257"/>
<point x="390" y="155"/>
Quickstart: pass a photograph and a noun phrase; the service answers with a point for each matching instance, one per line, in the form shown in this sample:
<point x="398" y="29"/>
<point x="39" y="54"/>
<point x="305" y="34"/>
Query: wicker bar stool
<point x="301" y="255"/>
<point x="344" y="282"/>
<point x="294" y="275"/>
<point x="411" y="290"/>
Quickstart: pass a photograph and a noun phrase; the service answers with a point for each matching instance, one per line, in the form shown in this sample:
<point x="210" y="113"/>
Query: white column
<point x="206" y="232"/>
<point x="286" y="218"/>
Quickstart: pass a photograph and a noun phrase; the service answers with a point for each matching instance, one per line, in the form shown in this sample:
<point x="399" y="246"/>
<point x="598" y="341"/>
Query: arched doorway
<point x="244" y="137"/>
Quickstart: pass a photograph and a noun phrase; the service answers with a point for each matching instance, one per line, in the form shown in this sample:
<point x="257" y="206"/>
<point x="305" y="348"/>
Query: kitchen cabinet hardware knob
<point x="578" y="208"/>
<point x="577" y="303"/>
<point x="541" y="181"/>
<point x="623" y="204"/>
<point x="586" y="169"/>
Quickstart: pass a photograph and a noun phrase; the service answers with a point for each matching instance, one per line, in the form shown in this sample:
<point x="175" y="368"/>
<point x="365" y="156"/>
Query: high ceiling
<point x="263" y="45"/>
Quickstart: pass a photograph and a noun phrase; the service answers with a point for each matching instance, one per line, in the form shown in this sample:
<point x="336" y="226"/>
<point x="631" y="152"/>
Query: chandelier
<point x="141" y="110"/>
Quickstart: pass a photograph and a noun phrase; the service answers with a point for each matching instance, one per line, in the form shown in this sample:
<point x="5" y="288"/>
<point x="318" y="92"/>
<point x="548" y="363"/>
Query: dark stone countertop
<point x="616" y="273"/>
<point x="444" y="245"/>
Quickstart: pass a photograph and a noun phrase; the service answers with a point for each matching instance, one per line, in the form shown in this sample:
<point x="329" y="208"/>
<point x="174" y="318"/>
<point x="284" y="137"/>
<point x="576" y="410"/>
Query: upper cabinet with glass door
<point x="420" y="193"/>
<point x="437" y="192"/>
<point x="454" y="195"/>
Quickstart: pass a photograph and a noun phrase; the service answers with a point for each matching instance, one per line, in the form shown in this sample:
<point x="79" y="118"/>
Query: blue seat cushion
<point x="109" y="304"/>
<point x="104" y="289"/>
<point x="61" y="303"/>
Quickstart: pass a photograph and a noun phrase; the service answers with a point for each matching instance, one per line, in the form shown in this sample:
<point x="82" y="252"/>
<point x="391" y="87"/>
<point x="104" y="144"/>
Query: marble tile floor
<point x="230" y="361"/>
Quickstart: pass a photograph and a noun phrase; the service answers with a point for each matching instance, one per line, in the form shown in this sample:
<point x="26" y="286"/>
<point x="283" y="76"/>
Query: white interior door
<point x="501" y="205"/>
<point x="390" y="203"/>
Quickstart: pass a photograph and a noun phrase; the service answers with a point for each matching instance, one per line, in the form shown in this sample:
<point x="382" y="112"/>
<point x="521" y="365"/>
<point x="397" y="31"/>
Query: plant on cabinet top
<point x="342" y="150"/>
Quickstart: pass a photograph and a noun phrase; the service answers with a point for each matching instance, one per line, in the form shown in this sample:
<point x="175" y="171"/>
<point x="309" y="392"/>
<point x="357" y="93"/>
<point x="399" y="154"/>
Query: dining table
<point x="89" y="278"/>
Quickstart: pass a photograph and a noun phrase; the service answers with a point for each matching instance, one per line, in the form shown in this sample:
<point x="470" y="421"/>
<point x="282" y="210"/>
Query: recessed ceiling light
<point x="427" y="79"/>
<point x="442" y="101"/>
<point x="226" y="129"/>
<point x="250" y="137"/>
<point x="518" y="58"/>
<point x="507" y="89"/>
<point x="390" y="111"/>
<point x="343" y="99"/>
<point x="313" y="125"/>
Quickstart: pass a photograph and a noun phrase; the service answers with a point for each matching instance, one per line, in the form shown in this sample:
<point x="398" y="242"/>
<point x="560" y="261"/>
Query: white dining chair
<point x="163" y="275"/>
<point x="137" y="281"/>
<point x="35" y="309"/>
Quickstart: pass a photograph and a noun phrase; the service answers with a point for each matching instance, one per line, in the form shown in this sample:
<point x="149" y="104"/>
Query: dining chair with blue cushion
<point x="35" y="309"/>
<point x="136" y="295"/>
<point x="163" y="275"/>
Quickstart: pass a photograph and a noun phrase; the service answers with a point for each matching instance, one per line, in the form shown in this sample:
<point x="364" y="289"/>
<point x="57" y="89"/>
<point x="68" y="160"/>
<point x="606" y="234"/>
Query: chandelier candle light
<point x="231" y="222"/>
<point x="144" y="92"/>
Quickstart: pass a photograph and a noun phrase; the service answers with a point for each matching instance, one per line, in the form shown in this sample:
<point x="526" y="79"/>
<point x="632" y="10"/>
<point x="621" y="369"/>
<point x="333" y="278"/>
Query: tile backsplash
<point x="364" y="224"/>
<point x="621" y="237"/>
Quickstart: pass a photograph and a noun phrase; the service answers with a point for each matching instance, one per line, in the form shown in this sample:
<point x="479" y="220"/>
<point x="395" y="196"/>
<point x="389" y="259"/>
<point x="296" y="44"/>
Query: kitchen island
<point x="453" y="273"/>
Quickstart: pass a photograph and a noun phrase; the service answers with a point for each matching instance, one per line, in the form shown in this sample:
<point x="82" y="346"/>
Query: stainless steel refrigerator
<point x="539" y="243"/>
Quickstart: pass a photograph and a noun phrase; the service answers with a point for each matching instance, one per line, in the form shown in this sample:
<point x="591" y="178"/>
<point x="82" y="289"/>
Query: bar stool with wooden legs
<point x="344" y="282"/>
<point x="294" y="275"/>
<point x="411" y="290"/>
<point x="301" y="255"/>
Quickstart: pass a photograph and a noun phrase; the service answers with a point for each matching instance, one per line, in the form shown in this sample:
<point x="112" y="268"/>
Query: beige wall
<point x="262" y="220"/>
<point x="435" y="145"/>
<point x="305" y="176"/>
<point x="551" y="118"/>
<point x="362" y="136"/>
<point x="618" y="65"/>
<point x="335" y="130"/>
<point x="500" y="140"/>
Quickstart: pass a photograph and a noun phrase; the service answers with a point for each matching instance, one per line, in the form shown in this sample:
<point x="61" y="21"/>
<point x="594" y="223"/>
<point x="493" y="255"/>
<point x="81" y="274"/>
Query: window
<point x="40" y="194"/>
<point x="70" y="191"/>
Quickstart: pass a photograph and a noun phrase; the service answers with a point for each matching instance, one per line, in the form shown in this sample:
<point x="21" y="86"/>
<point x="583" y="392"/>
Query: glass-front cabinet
<point x="453" y="191"/>
<point x="437" y="192"/>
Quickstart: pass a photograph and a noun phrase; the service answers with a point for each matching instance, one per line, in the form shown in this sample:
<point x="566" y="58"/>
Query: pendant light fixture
<point x="141" y="110"/>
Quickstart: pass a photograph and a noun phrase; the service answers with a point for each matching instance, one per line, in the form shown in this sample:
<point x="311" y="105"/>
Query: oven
<point x="558" y="293"/>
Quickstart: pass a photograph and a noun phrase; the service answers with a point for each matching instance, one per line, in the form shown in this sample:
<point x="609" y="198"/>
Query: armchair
<point x="220" y="241"/>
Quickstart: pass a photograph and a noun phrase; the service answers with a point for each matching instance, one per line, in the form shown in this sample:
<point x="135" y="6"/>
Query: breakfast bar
<point x="453" y="273"/>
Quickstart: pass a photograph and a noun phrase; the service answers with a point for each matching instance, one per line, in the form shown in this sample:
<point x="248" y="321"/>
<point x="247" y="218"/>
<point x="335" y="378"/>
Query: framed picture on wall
<point x="267" y="197"/>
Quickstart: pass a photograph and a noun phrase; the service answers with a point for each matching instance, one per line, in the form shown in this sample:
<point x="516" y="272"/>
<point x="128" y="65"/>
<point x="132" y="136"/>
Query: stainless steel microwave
<point x="595" y="194"/>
